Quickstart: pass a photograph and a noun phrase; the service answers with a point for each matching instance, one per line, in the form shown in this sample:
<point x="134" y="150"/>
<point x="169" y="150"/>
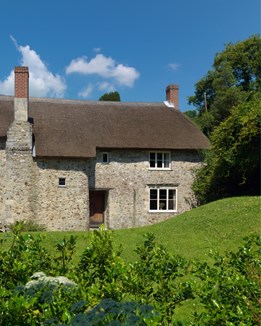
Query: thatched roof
<point x="68" y="128"/>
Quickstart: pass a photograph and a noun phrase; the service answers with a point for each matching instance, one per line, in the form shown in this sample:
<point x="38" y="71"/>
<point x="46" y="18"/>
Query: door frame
<point x="92" y="207"/>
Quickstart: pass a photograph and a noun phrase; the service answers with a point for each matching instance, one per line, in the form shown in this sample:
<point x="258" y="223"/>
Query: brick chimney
<point x="21" y="93"/>
<point x="172" y="95"/>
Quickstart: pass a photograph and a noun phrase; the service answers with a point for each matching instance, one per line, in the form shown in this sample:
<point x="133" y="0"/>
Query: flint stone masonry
<point x="35" y="193"/>
<point x="61" y="207"/>
<point x="2" y="181"/>
<point x="127" y="178"/>
<point x="19" y="185"/>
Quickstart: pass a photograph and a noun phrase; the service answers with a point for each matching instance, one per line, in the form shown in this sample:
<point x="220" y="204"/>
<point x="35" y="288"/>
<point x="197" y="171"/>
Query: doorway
<point x="97" y="207"/>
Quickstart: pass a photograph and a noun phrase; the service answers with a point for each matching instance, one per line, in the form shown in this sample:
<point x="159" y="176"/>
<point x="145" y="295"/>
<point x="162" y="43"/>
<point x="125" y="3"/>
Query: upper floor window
<point x="159" y="160"/>
<point x="105" y="157"/>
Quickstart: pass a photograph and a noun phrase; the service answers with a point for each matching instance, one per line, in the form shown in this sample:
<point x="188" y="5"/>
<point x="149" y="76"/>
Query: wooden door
<point x="97" y="207"/>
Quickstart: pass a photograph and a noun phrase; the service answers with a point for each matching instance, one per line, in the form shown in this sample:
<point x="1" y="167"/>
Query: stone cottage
<point x="73" y="165"/>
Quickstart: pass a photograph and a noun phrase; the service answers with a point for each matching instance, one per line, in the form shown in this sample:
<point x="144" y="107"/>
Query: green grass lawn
<point x="219" y="226"/>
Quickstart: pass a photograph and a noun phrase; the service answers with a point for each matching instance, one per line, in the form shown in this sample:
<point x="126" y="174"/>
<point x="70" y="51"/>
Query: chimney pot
<point x="21" y="82"/>
<point x="21" y="99"/>
<point x="172" y="95"/>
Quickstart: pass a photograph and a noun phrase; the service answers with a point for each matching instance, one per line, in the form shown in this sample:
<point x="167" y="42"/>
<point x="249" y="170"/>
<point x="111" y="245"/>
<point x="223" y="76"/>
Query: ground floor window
<point x="61" y="182"/>
<point x="163" y="199"/>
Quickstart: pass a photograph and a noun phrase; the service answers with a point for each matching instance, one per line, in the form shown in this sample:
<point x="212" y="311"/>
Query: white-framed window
<point x="160" y="160"/>
<point x="62" y="182"/>
<point x="163" y="199"/>
<point x="105" y="157"/>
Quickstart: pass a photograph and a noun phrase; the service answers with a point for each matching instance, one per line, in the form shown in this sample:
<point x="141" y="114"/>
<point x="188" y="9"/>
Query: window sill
<point x="160" y="169"/>
<point x="163" y="211"/>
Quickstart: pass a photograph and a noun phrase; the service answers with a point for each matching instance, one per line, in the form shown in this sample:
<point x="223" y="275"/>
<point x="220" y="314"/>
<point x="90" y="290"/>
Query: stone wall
<point x="32" y="189"/>
<point x="127" y="178"/>
<point x="61" y="207"/>
<point x="2" y="180"/>
<point x="19" y="172"/>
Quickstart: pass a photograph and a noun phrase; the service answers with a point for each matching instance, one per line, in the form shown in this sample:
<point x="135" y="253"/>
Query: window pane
<point x="153" y="199"/>
<point x="163" y="204"/>
<point x="61" y="181"/>
<point x="152" y="156"/>
<point x="166" y="160"/>
<point x="159" y="160"/>
<point x="152" y="160"/>
<point x="171" y="204"/>
<point x="172" y="193"/>
<point x="153" y="205"/>
<point x="172" y="199"/>
<point x="163" y="193"/>
<point x="153" y="193"/>
<point x="105" y="157"/>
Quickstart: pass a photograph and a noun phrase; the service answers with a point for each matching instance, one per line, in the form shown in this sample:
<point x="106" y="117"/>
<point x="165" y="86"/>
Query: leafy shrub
<point x="25" y="256"/>
<point x="100" y="255"/>
<point x="110" y="292"/>
<point x="155" y="278"/>
<point x="231" y="288"/>
<point x="28" y="226"/>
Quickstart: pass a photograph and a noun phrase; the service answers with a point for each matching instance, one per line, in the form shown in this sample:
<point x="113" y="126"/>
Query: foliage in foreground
<point x="103" y="290"/>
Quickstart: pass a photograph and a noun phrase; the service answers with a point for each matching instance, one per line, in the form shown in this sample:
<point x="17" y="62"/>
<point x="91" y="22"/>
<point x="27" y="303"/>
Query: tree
<point x="235" y="77"/>
<point x="192" y="114"/>
<point x="113" y="96"/>
<point x="232" y="166"/>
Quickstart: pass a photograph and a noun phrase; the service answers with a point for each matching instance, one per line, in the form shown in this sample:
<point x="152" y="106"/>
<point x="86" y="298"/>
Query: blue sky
<point x="82" y="49"/>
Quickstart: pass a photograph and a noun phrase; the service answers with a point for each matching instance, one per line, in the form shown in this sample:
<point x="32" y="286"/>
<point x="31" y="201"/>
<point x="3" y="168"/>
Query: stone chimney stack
<point x="21" y="100"/>
<point x="172" y="95"/>
<point x="19" y="161"/>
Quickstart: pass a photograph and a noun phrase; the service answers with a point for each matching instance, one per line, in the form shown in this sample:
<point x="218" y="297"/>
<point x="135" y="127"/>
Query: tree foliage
<point x="235" y="77"/>
<point x="228" y="112"/>
<point x="232" y="166"/>
<point x="112" y="96"/>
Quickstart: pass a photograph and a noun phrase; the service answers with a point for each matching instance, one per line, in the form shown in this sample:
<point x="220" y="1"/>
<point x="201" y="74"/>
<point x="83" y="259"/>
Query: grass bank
<point x="219" y="226"/>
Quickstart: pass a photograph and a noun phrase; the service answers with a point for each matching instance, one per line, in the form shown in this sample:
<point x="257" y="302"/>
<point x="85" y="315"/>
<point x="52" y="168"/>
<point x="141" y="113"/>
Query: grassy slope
<point x="218" y="226"/>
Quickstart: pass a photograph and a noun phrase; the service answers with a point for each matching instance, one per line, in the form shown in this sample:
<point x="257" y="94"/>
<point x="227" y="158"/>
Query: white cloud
<point x="106" y="86"/>
<point x="87" y="91"/>
<point x="7" y="85"/>
<point x="173" y="66"/>
<point x="105" y="67"/>
<point x="97" y="49"/>
<point x="42" y="82"/>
